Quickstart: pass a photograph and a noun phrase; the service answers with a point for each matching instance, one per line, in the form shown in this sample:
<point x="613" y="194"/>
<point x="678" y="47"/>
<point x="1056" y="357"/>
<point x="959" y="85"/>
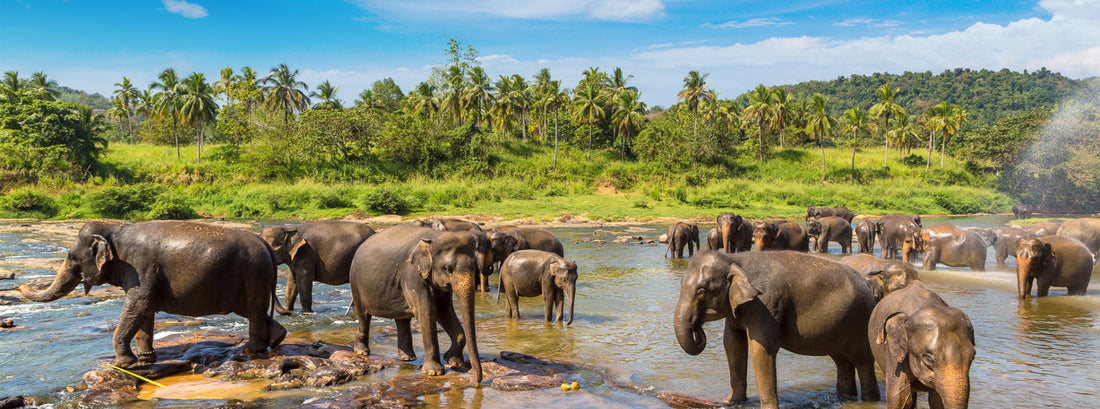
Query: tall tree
<point x="953" y="123"/>
<point x="521" y="100"/>
<point x="44" y="88"/>
<point x="125" y="94"/>
<point x="368" y="100"/>
<point x="197" y="106"/>
<point x="224" y="85"/>
<point x="119" y="112"/>
<point x="904" y="135"/>
<point x="781" y="107"/>
<point x="11" y="85"/>
<point x="820" y="125"/>
<point x="695" y="91"/>
<point x="628" y="115"/>
<point x="249" y="87"/>
<point x="554" y="98"/>
<point x="759" y="111"/>
<point x="284" y="92"/>
<point x="857" y="122"/>
<point x="168" y="87"/>
<point x="387" y="92"/>
<point x="503" y="105"/>
<point x="424" y="100"/>
<point x="588" y="104"/>
<point x="478" y="94"/>
<point x="886" y="108"/>
<point x="935" y="120"/>
<point x="542" y="82"/>
<point x="326" y="92"/>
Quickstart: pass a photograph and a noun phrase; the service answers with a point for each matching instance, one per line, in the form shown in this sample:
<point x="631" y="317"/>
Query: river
<point x="1035" y="353"/>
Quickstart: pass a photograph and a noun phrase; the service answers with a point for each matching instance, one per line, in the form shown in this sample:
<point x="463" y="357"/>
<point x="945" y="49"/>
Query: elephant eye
<point x="928" y="359"/>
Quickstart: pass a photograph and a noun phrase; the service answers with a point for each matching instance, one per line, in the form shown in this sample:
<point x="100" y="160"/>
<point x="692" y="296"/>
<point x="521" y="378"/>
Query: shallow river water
<point x="1036" y="353"/>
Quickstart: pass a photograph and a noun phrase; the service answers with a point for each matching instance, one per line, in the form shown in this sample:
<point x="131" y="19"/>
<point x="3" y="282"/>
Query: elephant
<point x="318" y="251"/>
<point x="1052" y="261"/>
<point x="532" y="238"/>
<point x="453" y="225"/>
<point x="818" y="212"/>
<point x="1045" y="228"/>
<point x="1084" y="230"/>
<point x="500" y="246"/>
<point x="1022" y="211"/>
<point x="484" y="244"/>
<point x="922" y="345"/>
<point x="831" y="228"/>
<point x="407" y="271"/>
<point x="682" y="234"/>
<point x="177" y="267"/>
<point x="1004" y="244"/>
<point x="714" y="240"/>
<point x="900" y="232"/>
<point x="735" y="232"/>
<point x="530" y="273"/>
<point x="780" y="235"/>
<point x="883" y="276"/>
<point x="953" y="246"/>
<point x="806" y="304"/>
<point x="866" y="231"/>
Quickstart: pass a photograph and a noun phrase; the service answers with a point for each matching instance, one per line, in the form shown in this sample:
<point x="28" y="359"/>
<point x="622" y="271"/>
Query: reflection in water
<point x="1033" y="353"/>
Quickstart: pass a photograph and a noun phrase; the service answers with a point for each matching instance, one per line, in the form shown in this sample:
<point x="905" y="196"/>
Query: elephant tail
<point x="276" y="306"/>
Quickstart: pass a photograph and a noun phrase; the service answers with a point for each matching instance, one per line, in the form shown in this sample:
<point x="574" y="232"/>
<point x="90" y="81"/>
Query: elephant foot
<point x="147" y="357"/>
<point x="432" y="368"/>
<point x="253" y="347"/>
<point x="361" y="348"/>
<point x="733" y="400"/>
<point x="405" y="357"/>
<point x="123" y="361"/>
<point x="275" y="334"/>
<point x="455" y="361"/>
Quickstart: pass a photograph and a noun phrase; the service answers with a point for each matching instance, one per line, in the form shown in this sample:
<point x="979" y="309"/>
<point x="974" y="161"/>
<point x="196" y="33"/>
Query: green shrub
<point x="172" y="206"/>
<point x="385" y="201"/>
<point x="948" y="177"/>
<point x="122" y="202"/>
<point x="958" y="204"/>
<point x="913" y="160"/>
<point x="29" y="203"/>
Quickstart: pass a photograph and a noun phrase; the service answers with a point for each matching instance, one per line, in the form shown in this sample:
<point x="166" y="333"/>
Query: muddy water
<point x="1030" y="354"/>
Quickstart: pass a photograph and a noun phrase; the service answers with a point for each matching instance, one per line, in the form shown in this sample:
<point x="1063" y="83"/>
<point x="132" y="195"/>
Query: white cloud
<point x="868" y="22"/>
<point x="183" y="8"/>
<point x="756" y="22"/>
<point x="608" y="10"/>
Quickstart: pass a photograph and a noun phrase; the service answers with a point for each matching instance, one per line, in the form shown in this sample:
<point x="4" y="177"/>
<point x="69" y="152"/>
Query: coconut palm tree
<point x="125" y="94"/>
<point x="454" y="86"/>
<point x="224" y="85"/>
<point x="886" y="108"/>
<point x="952" y="126"/>
<point x="588" y="104"/>
<point x="695" y="91"/>
<point x="168" y="101"/>
<point x="326" y="92"/>
<point x="368" y="100"/>
<point x="628" y="115"/>
<point x="759" y="111"/>
<point x="197" y="106"/>
<point x="521" y="100"/>
<point x="424" y="100"/>
<point x="542" y="81"/>
<point x="503" y="106"/>
<point x="935" y="120"/>
<point x="45" y="89"/>
<point x="781" y="106"/>
<point x="820" y="125"/>
<point x="284" y="92"/>
<point x="90" y="126"/>
<point x="554" y="98"/>
<point x="478" y="94"/>
<point x="904" y="135"/>
<point x="119" y="112"/>
<point x="856" y="121"/>
<point x="11" y="85"/>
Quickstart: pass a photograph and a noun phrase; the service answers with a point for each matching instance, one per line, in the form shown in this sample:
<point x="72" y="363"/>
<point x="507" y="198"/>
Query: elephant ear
<point x="103" y="251"/>
<point x="1049" y="252"/>
<point x="740" y="290"/>
<point x="877" y="284"/>
<point x="421" y="257"/>
<point x="510" y="243"/>
<point x="294" y="242"/>
<point x="895" y="335"/>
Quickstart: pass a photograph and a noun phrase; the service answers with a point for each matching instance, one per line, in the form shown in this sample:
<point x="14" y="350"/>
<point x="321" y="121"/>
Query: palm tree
<point x="284" y="92"/>
<point x="423" y="99"/>
<point x="521" y="99"/>
<point x="478" y="93"/>
<point x="503" y="105"/>
<point x="454" y="84"/>
<point x="119" y="112"/>
<point x="90" y="126"/>
<point x="820" y="125"/>
<point x="904" y="134"/>
<point x="935" y="120"/>
<point x="145" y="105"/>
<point x="695" y="91"/>
<point x="953" y="125"/>
<point x="248" y="86"/>
<point x="168" y="100"/>
<point x="44" y="88"/>
<point x="327" y="94"/>
<point x="616" y="85"/>
<point x="224" y="85"/>
<point x="886" y="108"/>
<point x="11" y="85"/>
<point x="125" y="94"/>
<point x="368" y="100"/>
<point x="781" y="107"/>
<point x="197" y="106"/>
<point x="588" y="104"/>
<point x="759" y="111"/>
<point x="629" y="115"/>
<point x="554" y="99"/>
<point x="542" y="81"/>
<point x="856" y="121"/>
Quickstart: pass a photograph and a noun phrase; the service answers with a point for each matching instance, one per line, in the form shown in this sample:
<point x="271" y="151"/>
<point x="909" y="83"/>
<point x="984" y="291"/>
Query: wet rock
<point x="107" y="387"/>
<point x="164" y="323"/>
<point x="602" y="232"/>
<point x="285" y="382"/>
<point x="7" y="323"/>
<point x="7" y="275"/>
<point x="327" y="376"/>
<point x="83" y="314"/>
<point x="632" y="240"/>
<point x="356" y="364"/>
<point x="663" y="238"/>
<point x="12" y="402"/>
<point x="678" y="400"/>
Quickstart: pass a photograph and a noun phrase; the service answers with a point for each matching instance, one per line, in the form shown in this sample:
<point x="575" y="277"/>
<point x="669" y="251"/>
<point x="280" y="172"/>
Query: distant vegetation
<point x="246" y="145"/>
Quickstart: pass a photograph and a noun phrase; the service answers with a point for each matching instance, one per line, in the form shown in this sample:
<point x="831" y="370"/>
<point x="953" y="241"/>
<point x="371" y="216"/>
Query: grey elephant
<point x="1045" y="227"/>
<point x="447" y="224"/>
<point x="866" y="231"/>
<point x="1052" y="261"/>
<point x="805" y="304"/>
<point x="1085" y="230"/>
<point x="714" y="240"/>
<point x="780" y="235"/>
<point x="900" y="232"/>
<point x="533" y="238"/>
<point x="883" y="276"/>
<point x="1004" y="243"/>
<point x="531" y="273"/>
<point x="922" y="345"/>
<point x="501" y="245"/>
<point x="818" y="212"/>
<point x="954" y="247"/>
<point x="407" y="271"/>
<point x="735" y="233"/>
<point x="318" y="251"/>
<point x="831" y="228"/>
<point x="680" y="235"/>
<point x="1022" y="211"/>
<point x="176" y="267"/>
<point x="484" y="245"/>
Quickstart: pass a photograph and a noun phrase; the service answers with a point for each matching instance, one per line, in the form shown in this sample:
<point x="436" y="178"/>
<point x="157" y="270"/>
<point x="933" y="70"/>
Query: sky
<point x="91" y="44"/>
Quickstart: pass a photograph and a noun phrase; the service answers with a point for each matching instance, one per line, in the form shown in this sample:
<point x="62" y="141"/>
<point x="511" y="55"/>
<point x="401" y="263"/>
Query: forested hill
<point x="986" y="95"/>
<point x="75" y="96"/>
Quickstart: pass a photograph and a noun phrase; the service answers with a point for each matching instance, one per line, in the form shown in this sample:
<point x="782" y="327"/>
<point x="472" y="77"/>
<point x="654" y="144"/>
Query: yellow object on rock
<point x="570" y="386"/>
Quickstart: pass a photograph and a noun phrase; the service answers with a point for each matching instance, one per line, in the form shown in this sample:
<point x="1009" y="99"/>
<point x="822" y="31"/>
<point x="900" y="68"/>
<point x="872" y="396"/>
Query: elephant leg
<point x="548" y="303"/>
<point x="405" y="351"/>
<point x="303" y="274"/>
<point x="485" y="282"/>
<point x="736" y="343"/>
<point x="258" y="332"/>
<point x="513" y="301"/>
<point x="275" y="332"/>
<point x="132" y="318"/>
<point x="291" y="291"/>
<point x="143" y="342"/>
<point x="868" y="382"/>
<point x="1001" y="255"/>
<point x="845" y="378"/>
<point x="448" y="319"/>
<point x="763" y="367"/>
<point x="426" y="317"/>
<point x="1043" y="287"/>
<point x="930" y="259"/>
<point x="362" y="335"/>
<point x="559" y="305"/>
<point x="691" y="248"/>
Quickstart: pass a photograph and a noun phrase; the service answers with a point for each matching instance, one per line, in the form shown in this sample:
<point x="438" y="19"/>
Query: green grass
<point x="525" y="183"/>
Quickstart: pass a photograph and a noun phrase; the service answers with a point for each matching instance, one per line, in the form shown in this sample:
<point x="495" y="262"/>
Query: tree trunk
<point x="176" y="135"/>
<point x="931" y="142"/>
<point x="943" y="147"/>
<point x="886" y="133"/>
<point x="782" y="144"/>
<point x="555" y="138"/>
<point x="523" y="123"/>
<point x="854" y="152"/>
<point x="821" y="143"/>
<point x="589" y="140"/>
<point x="199" y="144"/>
<point x="760" y="136"/>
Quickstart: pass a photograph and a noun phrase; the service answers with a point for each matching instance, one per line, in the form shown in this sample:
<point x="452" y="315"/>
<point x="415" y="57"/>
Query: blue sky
<point x="91" y="44"/>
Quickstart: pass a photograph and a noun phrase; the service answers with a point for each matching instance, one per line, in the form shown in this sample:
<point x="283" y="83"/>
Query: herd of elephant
<point x="858" y="311"/>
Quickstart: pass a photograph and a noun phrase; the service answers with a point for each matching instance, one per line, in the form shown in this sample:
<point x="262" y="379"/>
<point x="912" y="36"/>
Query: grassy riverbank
<point x="146" y="181"/>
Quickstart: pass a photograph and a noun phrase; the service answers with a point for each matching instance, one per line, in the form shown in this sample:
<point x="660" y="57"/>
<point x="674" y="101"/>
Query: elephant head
<point x="1032" y="257"/>
<point x="890" y="278"/>
<point x="564" y="273"/>
<point x="285" y="242"/>
<point x="812" y="212"/>
<point x="86" y="261"/>
<point x="935" y="345"/>
<point x="913" y="241"/>
<point x="449" y="263"/>
<point x="709" y="291"/>
<point x="813" y="227"/>
<point x="728" y="225"/>
<point x="764" y="234"/>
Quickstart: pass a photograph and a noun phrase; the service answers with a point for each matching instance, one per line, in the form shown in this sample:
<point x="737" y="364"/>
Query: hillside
<point x="75" y="96"/>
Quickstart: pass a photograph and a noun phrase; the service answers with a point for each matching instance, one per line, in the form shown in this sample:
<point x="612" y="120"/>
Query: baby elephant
<point x="530" y="273"/>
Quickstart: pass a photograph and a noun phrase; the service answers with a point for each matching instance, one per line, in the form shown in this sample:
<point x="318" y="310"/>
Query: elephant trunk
<point x="953" y="386"/>
<point x="760" y="243"/>
<point x="464" y="289"/>
<point x="727" y="231"/>
<point x="688" y="324"/>
<point x="571" y="289"/>
<point x="66" y="280"/>
<point x="1023" y="276"/>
